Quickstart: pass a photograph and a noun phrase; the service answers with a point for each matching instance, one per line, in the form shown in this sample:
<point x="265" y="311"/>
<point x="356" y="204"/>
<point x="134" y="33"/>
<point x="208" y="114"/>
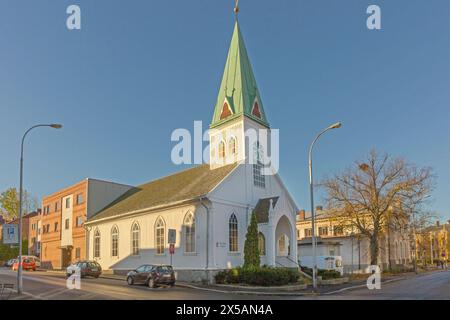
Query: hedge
<point x="260" y="276"/>
<point x="325" y="274"/>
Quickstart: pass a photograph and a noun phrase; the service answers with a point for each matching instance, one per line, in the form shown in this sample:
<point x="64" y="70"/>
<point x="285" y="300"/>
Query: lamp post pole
<point x="19" y="269"/>
<point x="311" y="192"/>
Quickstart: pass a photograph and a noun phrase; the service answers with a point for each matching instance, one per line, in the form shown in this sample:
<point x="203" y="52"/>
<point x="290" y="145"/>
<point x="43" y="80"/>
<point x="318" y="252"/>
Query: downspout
<point x="207" y="236"/>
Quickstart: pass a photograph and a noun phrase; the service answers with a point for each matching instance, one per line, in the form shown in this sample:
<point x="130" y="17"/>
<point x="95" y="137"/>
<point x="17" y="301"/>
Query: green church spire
<point x="238" y="94"/>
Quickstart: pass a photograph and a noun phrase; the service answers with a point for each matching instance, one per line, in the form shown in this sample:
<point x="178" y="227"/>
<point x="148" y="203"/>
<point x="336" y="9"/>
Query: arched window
<point x="233" y="233"/>
<point x="159" y="235"/>
<point x="259" y="180"/>
<point x="221" y="150"/>
<point x="232" y="146"/>
<point x="135" y="239"/>
<point x="261" y="244"/>
<point x="114" y="241"/>
<point x="96" y="244"/>
<point x="189" y="233"/>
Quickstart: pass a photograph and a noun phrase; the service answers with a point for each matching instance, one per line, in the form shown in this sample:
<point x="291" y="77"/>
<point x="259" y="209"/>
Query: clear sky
<point x="140" y="69"/>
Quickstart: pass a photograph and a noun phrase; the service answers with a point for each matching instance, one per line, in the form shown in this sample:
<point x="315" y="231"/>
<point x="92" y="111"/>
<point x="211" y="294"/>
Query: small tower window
<point x="259" y="180"/>
<point x="226" y="111"/>
<point x="255" y="111"/>
<point x="232" y="146"/>
<point x="221" y="150"/>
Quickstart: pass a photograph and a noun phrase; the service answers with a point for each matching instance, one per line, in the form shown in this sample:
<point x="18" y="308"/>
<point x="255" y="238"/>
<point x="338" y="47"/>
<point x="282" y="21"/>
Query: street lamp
<point x="311" y="191"/>
<point x="19" y="271"/>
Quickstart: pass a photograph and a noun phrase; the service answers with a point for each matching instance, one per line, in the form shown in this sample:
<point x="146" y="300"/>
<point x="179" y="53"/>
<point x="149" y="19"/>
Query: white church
<point x="209" y="206"/>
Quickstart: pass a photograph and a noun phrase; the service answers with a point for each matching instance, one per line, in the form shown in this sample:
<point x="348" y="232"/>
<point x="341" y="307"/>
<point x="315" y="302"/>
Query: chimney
<point x="319" y="208"/>
<point x="301" y="215"/>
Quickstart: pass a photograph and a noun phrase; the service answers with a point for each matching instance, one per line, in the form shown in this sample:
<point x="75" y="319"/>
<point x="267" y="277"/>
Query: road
<point x="431" y="286"/>
<point x="48" y="286"/>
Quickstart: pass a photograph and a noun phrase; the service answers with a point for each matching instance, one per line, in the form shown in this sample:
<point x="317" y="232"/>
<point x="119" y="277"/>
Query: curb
<point x="241" y="292"/>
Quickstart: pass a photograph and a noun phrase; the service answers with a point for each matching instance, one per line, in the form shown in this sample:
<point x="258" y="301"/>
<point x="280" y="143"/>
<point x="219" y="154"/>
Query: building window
<point x="189" y="233"/>
<point x="135" y="235"/>
<point x="338" y="230"/>
<point x="79" y="221"/>
<point x="67" y="203"/>
<point x="221" y="150"/>
<point x="259" y="180"/>
<point x="56" y="226"/>
<point x="114" y="242"/>
<point x="159" y="233"/>
<point x="80" y="198"/>
<point x="78" y="253"/>
<point x="233" y="233"/>
<point x="308" y="232"/>
<point x="56" y="206"/>
<point x="261" y="244"/>
<point x="232" y="146"/>
<point x="97" y="244"/>
<point x="67" y="224"/>
<point x="323" y="231"/>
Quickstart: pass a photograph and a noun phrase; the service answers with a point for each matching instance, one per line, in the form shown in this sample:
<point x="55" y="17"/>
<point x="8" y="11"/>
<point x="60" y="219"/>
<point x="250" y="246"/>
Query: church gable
<point x="226" y="110"/>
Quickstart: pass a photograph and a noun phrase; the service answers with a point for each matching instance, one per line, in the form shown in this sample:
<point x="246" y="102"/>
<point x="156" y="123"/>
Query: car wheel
<point x="151" y="283"/>
<point x="172" y="284"/>
<point x="130" y="281"/>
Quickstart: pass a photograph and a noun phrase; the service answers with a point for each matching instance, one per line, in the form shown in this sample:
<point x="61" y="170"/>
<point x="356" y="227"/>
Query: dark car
<point x="152" y="275"/>
<point x="10" y="263"/>
<point x="87" y="269"/>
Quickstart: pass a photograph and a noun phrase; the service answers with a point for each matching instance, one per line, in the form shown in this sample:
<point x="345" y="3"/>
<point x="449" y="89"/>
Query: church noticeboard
<point x="172" y="237"/>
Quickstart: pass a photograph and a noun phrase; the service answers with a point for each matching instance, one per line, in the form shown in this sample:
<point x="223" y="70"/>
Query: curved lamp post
<point x="311" y="191"/>
<point x="19" y="271"/>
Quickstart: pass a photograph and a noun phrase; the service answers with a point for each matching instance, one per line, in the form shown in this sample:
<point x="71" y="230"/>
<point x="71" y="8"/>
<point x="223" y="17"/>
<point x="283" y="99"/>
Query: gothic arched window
<point x="96" y="244"/>
<point x="189" y="233"/>
<point x="135" y="238"/>
<point x="114" y="241"/>
<point x="233" y="233"/>
<point x="232" y="146"/>
<point x="160" y="229"/>
<point x="261" y="244"/>
<point x="222" y="149"/>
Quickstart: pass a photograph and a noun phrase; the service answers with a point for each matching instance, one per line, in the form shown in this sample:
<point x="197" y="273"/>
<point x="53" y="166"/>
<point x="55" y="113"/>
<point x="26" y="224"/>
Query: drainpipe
<point x="207" y="236"/>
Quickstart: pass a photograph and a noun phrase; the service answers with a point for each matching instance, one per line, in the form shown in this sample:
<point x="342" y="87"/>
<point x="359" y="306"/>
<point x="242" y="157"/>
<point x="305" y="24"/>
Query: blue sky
<point x="140" y="69"/>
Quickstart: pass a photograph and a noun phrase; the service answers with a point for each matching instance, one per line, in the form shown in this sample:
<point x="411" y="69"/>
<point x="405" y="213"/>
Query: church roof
<point x="182" y="186"/>
<point x="238" y="88"/>
<point x="262" y="209"/>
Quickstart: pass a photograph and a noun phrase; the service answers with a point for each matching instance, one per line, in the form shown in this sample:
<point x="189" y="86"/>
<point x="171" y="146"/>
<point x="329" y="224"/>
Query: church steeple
<point x="238" y="95"/>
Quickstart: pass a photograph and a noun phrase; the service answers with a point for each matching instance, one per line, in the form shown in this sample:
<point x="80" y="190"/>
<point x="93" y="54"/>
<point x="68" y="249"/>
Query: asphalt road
<point x="46" y="286"/>
<point x="430" y="286"/>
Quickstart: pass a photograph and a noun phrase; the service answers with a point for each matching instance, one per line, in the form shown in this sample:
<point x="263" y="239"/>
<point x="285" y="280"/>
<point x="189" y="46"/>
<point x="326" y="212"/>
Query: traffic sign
<point x="172" y="248"/>
<point x="10" y="233"/>
<point x="172" y="236"/>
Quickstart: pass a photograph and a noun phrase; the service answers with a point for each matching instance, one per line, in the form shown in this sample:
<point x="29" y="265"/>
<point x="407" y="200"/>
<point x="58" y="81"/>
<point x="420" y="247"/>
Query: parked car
<point x="152" y="275"/>
<point x="87" y="269"/>
<point x="27" y="264"/>
<point x="35" y="259"/>
<point x="10" y="263"/>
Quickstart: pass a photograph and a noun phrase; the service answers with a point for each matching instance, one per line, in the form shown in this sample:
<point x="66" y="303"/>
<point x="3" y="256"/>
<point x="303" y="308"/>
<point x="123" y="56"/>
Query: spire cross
<point x="236" y="7"/>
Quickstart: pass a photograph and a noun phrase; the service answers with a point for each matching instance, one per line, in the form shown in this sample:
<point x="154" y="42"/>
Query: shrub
<point x="258" y="276"/>
<point x="251" y="250"/>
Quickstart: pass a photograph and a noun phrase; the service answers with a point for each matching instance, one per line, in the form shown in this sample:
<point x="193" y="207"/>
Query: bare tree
<point x="375" y="193"/>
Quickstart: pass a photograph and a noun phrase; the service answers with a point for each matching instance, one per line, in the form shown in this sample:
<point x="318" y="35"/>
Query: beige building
<point x="338" y="239"/>
<point x="433" y="244"/>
